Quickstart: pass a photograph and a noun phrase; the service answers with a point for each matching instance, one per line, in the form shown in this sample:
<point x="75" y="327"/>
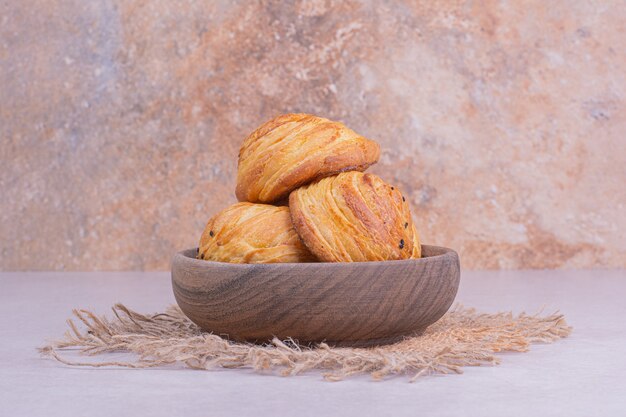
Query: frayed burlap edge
<point x="462" y="337"/>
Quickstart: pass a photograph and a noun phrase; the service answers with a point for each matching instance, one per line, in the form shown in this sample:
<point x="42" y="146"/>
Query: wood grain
<point x="344" y="304"/>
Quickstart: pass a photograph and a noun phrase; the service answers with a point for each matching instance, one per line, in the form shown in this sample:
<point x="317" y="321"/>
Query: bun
<point x="295" y="149"/>
<point x="252" y="233"/>
<point x="354" y="217"/>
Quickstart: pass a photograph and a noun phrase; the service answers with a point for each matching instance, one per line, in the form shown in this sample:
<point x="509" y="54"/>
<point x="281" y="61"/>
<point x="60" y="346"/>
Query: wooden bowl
<point x="342" y="304"/>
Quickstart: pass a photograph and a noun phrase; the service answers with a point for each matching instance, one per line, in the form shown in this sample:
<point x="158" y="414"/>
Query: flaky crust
<point x="295" y="149"/>
<point x="252" y="233"/>
<point x="354" y="217"/>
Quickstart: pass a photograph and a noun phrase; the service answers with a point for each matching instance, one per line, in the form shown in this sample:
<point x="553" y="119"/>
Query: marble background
<point x="120" y="121"/>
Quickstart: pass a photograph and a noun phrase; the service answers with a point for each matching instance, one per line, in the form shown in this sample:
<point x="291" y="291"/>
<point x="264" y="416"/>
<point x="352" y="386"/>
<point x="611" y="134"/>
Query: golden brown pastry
<point x="252" y="233"/>
<point x="296" y="149"/>
<point x="354" y="217"/>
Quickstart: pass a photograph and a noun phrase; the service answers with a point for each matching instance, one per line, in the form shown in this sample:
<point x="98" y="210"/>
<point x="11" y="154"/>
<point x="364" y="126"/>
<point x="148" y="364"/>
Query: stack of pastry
<point x="304" y="198"/>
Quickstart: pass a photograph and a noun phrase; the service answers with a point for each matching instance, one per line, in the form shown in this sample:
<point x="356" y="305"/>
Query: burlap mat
<point x="462" y="337"/>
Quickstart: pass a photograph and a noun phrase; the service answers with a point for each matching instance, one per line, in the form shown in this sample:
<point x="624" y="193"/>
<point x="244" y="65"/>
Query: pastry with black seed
<point x="354" y="217"/>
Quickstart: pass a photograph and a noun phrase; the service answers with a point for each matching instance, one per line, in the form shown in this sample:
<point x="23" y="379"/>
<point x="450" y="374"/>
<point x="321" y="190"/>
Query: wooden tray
<point x="344" y="304"/>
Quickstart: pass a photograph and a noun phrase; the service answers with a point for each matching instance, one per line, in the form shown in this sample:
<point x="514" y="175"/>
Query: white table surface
<point x="583" y="375"/>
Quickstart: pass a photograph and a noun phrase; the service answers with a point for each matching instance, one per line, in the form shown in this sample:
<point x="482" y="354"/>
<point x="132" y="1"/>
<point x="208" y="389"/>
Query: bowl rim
<point x="444" y="253"/>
